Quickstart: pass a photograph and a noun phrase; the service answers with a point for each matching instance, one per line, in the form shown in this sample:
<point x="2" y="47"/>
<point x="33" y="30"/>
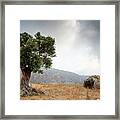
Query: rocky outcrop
<point x="92" y="82"/>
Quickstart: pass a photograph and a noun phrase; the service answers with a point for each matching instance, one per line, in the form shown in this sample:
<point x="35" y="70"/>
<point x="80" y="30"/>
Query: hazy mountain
<point x="57" y="76"/>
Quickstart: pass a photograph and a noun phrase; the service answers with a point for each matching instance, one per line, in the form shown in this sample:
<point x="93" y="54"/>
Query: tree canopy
<point x="36" y="52"/>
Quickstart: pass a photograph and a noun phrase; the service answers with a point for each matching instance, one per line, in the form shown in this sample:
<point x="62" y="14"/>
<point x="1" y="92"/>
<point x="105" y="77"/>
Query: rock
<point x="92" y="82"/>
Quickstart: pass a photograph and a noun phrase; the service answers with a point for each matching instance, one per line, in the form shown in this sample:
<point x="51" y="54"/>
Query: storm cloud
<point x="77" y="43"/>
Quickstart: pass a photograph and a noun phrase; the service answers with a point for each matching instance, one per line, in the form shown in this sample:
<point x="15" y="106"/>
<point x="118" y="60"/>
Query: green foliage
<point x="36" y="51"/>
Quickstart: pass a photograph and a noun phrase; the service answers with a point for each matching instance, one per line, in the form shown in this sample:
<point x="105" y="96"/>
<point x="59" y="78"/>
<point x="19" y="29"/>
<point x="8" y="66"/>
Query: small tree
<point x="35" y="55"/>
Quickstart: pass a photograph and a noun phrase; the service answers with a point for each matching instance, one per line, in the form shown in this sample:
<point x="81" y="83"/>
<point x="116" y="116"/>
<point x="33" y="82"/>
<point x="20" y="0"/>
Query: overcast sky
<point x="77" y="43"/>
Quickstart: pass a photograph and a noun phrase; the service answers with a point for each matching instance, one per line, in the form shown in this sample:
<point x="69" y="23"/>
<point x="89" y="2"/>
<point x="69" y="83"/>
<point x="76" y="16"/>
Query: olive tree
<point x="36" y="54"/>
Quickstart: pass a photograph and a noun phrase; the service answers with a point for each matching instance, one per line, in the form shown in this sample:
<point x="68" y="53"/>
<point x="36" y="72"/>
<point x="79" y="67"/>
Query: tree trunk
<point x="25" y="88"/>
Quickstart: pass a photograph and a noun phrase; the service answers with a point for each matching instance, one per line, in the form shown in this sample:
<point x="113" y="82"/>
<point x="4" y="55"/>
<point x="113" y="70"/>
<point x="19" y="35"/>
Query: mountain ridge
<point x="57" y="76"/>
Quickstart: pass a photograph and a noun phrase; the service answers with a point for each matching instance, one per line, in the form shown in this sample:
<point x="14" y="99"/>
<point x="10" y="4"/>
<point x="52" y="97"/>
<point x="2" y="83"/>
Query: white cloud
<point x="72" y="58"/>
<point x="77" y="61"/>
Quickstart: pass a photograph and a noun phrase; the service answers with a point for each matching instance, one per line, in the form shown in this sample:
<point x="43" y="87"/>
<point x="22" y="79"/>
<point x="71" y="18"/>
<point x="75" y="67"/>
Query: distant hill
<point x="57" y="76"/>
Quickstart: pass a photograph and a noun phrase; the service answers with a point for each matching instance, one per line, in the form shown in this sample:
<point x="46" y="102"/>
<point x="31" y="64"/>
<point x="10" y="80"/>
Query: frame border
<point x="52" y="2"/>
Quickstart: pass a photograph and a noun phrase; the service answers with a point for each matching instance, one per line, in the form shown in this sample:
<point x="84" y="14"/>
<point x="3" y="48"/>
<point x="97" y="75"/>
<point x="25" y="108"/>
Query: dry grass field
<point x="63" y="92"/>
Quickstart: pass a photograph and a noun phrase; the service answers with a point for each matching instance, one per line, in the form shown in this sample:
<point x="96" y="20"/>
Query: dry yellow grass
<point x="64" y="92"/>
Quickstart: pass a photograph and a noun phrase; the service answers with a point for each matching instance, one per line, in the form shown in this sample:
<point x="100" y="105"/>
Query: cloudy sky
<point x="77" y="43"/>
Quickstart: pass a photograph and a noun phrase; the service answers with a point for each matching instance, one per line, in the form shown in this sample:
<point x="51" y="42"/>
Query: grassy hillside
<point x="64" y="92"/>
